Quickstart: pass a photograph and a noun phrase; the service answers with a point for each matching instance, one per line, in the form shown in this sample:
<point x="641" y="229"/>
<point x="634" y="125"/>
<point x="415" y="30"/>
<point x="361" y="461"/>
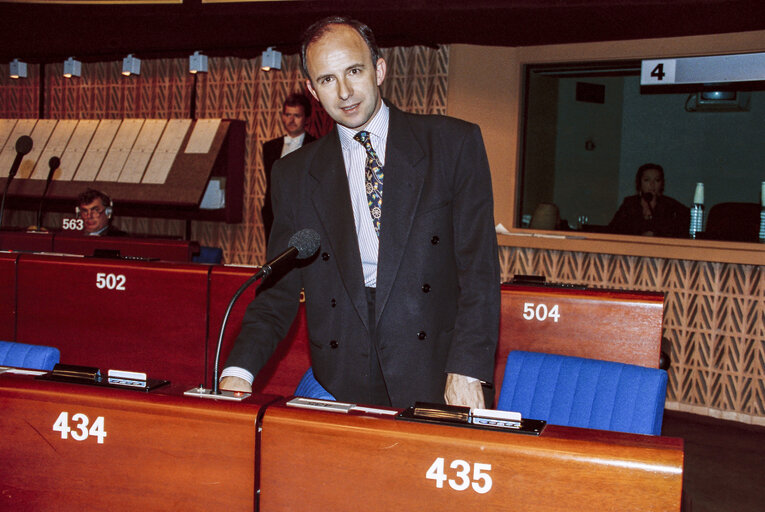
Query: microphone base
<point x="200" y="392"/>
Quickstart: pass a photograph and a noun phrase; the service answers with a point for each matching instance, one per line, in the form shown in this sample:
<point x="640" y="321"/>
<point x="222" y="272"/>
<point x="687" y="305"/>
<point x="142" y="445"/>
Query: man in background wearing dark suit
<point x="402" y="298"/>
<point x="295" y="112"/>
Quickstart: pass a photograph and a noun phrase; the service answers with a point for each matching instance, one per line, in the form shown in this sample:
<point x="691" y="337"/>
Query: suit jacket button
<point x="426" y="288"/>
<point x="422" y="335"/>
<point x="333" y="343"/>
<point x="325" y="256"/>
<point x="434" y="240"/>
<point x="333" y="303"/>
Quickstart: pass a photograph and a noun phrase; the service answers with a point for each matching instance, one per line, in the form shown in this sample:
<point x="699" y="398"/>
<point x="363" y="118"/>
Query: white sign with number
<point x="459" y="471"/>
<point x="80" y="429"/>
<point x="657" y="72"/>
<point x="73" y="224"/>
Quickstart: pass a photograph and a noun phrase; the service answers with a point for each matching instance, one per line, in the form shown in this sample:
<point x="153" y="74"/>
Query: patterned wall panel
<point x="19" y="98"/>
<point x="714" y="321"/>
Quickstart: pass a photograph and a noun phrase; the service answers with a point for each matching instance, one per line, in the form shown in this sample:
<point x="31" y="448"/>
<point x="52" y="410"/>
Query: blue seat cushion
<point x="581" y="392"/>
<point x="21" y="355"/>
<point x="309" y="387"/>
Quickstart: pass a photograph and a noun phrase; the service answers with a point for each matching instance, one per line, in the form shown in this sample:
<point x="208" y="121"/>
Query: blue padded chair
<point x="208" y="254"/>
<point x="21" y="355"/>
<point x="309" y="387"/>
<point x="589" y="393"/>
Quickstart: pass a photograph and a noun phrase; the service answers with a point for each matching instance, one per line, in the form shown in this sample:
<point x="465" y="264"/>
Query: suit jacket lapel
<point x="404" y="177"/>
<point x="331" y="199"/>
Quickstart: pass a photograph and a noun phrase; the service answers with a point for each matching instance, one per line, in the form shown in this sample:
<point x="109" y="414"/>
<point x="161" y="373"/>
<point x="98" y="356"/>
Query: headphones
<point x="108" y="208"/>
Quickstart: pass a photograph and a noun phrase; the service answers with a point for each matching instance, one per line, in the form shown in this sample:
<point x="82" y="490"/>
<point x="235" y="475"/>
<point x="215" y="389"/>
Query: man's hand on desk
<point x="461" y="390"/>
<point x="235" y="384"/>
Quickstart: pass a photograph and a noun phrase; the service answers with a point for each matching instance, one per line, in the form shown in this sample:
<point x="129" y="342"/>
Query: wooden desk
<point x="8" y="296"/>
<point x="12" y="240"/>
<point x="156" y="324"/>
<point x="164" y="451"/>
<point x="611" y="325"/>
<point x="161" y="451"/>
<point x="137" y="247"/>
<point x="315" y="460"/>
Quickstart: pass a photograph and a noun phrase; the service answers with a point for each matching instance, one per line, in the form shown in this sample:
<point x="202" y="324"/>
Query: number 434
<point x="80" y="432"/>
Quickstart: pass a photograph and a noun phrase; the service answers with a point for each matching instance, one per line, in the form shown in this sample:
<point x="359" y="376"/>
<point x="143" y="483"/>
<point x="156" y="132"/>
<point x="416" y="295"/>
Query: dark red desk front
<point x="8" y="296"/>
<point x="76" y="447"/>
<point x="128" y="315"/>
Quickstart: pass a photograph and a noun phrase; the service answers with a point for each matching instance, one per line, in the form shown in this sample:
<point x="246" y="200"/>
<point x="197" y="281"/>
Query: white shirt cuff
<point x="235" y="371"/>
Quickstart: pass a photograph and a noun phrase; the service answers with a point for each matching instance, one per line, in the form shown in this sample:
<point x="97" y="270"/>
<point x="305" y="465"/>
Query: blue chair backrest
<point x="208" y="254"/>
<point x="587" y="393"/>
<point x="309" y="387"/>
<point x="21" y="355"/>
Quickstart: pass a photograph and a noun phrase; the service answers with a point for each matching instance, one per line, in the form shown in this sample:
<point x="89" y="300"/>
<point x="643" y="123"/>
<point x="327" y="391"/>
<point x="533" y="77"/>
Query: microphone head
<point x="54" y="162"/>
<point x="306" y="241"/>
<point x="24" y="144"/>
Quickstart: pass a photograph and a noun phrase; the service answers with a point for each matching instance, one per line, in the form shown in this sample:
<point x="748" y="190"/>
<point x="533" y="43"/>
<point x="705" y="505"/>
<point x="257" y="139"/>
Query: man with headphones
<point x="95" y="209"/>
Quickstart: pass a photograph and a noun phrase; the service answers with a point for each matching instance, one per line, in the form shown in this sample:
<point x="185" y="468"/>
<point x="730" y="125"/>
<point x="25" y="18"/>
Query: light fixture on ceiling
<point x="131" y="65"/>
<point x="270" y="59"/>
<point x="18" y="69"/>
<point x="72" y="67"/>
<point x="197" y="63"/>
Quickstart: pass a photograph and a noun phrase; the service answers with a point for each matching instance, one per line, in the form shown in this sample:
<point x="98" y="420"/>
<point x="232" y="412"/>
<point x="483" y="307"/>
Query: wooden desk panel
<point x="27" y="242"/>
<point x="160" y="248"/>
<point x="610" y="325"/>
<point x="291" y="359"/>
<point x="157" y="324"/>
<point x="314" y="460"/>
<point x="162" y="451"/>
<point x="8" y="296"/>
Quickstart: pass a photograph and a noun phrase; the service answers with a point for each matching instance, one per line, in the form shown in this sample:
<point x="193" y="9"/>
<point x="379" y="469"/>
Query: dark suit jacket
<point x="670" y="218"/>
<point x="272" y="151"/>
<point x="437" y="299"/>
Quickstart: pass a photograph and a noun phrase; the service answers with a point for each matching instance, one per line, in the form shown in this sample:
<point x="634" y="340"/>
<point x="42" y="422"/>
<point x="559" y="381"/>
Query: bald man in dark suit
<point x="402" y="298"/>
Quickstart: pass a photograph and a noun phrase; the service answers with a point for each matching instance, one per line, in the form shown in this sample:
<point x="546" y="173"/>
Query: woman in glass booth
<point x="650" y="212"/>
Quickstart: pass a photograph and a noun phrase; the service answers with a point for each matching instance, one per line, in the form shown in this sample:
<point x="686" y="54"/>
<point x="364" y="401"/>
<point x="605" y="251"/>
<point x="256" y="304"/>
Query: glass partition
<point x="588" y="129"/>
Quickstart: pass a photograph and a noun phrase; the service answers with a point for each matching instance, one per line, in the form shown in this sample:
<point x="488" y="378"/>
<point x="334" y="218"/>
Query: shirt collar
<point x="377" y="126"/>
<point x="292" y="140"/>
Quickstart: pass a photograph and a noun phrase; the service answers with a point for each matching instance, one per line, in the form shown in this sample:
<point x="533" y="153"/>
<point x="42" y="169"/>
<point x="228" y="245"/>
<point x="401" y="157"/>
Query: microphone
<point x="301" y="245"/>
<point x="648" y="197"/>
<point x="23" y="146"/>
<point x="54" y="164"/>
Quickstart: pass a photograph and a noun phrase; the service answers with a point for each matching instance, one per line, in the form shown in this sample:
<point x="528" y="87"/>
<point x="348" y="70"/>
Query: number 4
<point x="436" y="472"/>
<point x="62" y="425"/>
<point x="658" y="72"/>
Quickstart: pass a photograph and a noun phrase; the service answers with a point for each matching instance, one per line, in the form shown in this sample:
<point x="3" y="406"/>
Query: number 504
<point x="540" y="312"/>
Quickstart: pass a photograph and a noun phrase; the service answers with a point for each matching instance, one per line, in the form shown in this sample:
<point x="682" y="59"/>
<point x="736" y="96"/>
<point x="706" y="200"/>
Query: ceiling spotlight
<point x="131" y="65"/>
<point x="18" y="69"/>
<point x="197" y="63"/>
<point x="271" y="59"/>
<point x="72" y="67"/>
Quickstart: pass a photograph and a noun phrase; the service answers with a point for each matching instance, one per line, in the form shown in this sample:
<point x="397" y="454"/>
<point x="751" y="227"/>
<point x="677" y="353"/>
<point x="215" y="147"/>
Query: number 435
<point x="481" y="481"/>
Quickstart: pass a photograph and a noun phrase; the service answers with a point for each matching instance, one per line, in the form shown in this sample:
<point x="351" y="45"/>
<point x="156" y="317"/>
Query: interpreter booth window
<point x="600" y="153"/>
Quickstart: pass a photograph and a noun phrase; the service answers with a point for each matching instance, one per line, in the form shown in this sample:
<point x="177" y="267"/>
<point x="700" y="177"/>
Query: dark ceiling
<point x="37" y="33"/>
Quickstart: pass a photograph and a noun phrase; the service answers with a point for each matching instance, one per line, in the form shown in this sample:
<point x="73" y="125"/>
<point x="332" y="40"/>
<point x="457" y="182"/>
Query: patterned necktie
<point x="373" y="174"/>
